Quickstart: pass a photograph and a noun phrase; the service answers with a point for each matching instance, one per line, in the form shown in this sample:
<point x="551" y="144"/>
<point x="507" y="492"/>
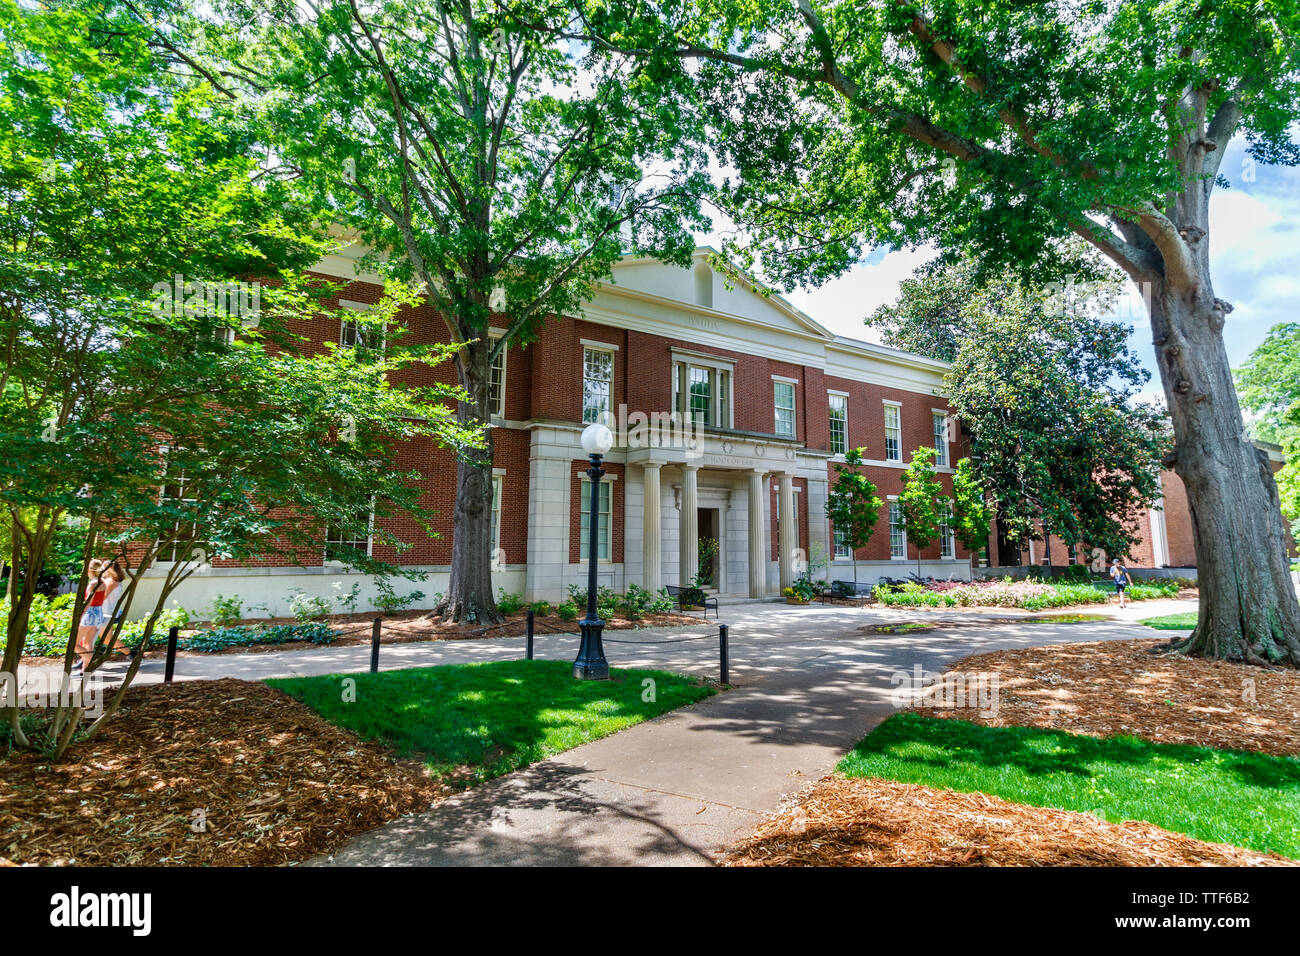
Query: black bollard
<point x="374" y="646"/>
<point x="722" y="651"/>
<point x="172" y="634"/>
<point x="528" y="653"/>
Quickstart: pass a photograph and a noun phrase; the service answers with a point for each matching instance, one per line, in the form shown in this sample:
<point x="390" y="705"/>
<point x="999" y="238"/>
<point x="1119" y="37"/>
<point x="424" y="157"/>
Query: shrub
<point x="604" y="596"/>
<point x="388" y="601"/>
<point x="568" y="611"/>
<point x="541" y="608"/>
<point x="220" y="638"/>
<point x="306" y="608"/>
<point x="51" y="623"/>
<point x="509" y="603"/>
<point x="227" y="609"/>
<point x="636" y="602"/>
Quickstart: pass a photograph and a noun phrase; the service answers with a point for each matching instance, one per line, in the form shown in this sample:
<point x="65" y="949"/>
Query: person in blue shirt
<point x="1119" y="574"/>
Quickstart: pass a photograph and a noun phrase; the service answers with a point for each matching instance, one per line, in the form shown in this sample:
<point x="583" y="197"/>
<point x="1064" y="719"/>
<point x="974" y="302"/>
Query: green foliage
<point x="707" y="549"/>
<point x="567" y="611"/>
<point x="922" y="499"/>
<point x="472" y="722"/>
<point x="389" y="601"/>
<point x="1046" y="386"/>
<point x="970" y="521"/>
<point x="1222" y="796"/>
<point x="541" y="608"/>
<point x="221" y="638"/>
<point x="50" y="626"/>
<point x="509" y="603"/>
<point x="1172" y="622"/>
<point x="852" y="504"/>
<point x="306" y="608"/>
<point x="1268" y="385"/>
<point x="227" y="609"/>
<point x="1028" y="595"/>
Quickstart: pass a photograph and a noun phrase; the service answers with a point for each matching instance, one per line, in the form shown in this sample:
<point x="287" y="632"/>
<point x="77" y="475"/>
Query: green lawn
<point x="1245" y="799"/>
<point x="472" y="722"/>
<point x="1172" y="622"/>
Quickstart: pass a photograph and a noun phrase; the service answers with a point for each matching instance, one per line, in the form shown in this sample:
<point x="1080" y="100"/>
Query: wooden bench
<point x="692" y="598"/>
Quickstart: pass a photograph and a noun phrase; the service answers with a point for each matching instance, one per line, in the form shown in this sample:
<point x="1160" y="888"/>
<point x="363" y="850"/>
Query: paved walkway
<point x="808" y="683"/>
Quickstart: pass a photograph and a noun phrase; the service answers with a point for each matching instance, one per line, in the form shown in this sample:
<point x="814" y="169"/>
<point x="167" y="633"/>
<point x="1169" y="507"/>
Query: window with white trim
<point x="176" y="490"/>
<point x="839" y="419"/>
<point x="893" y="434"/>
<point x="783" y="400"/>
<point x="354" y="334"/>
<point x="947" y="540"/>
<point x="842" y="549"/>
<point x="940" y="439"/>
<point x="897" y="531"/>
<point x="496" y="512"/>
<point x="340" y="542"/>
<point x="497" y="383"/>
<point x="702" y="392"/>
<point x="603" y="526"/>
<point x="597" y="384"/>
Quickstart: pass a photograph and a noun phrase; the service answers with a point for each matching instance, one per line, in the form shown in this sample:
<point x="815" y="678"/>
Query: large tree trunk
<point x="469" y="594"/>
<point x="1248" y="606"/>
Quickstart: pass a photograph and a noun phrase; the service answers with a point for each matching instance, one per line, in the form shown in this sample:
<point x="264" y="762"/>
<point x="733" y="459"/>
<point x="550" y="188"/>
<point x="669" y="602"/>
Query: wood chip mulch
<point x="1109" y="688"/>
<point x="1101" y="689"/>
<point x="872" y="822"/>
<point x="223" y="772"/>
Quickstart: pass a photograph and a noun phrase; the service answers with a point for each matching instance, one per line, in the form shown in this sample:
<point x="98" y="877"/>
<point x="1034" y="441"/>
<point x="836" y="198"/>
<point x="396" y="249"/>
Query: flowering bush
<point x="1026" y="594"/>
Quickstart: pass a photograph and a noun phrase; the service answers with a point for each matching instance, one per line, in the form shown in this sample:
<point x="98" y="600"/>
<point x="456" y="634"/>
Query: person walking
<point x="101" y="601"/>
<point x="1119" y="574"/>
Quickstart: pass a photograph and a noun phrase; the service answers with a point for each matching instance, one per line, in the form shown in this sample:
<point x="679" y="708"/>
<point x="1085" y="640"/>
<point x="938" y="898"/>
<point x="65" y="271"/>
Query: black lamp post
<point x="591" y="664"/>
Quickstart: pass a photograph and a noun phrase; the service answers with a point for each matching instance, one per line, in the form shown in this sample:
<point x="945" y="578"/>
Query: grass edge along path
<point x="1244" y="799"/>
<point x="469" y="723"/>
<point x="1185" y="621"/>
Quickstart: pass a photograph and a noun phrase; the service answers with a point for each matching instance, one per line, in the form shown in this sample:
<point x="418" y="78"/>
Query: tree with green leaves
<point x="922" y="501"/>
<point x="170" y="427"/>
<point x="853" y="505"/>
<point x="1269" y="384"/>
<point x="1008" y="126"/>
<point x="970" y="509"/>
<point x="500" y="170"/>
<point x="1046" y="388"/>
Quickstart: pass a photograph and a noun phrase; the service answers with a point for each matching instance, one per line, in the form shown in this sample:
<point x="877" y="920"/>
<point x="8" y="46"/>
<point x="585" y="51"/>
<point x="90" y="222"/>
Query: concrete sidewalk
<point x="809" y="683"/>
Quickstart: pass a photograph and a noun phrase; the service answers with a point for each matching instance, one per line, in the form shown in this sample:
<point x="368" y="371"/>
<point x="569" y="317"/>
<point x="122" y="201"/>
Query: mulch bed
<point x="1108" y="688"/>
<point x="274" y="781"/>
<point x="1101" y="688"/>
<point x="871" y="822"/>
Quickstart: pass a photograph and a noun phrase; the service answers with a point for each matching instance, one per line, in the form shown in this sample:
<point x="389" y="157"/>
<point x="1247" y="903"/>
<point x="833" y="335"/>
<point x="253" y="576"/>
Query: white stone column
<point x="651" y="555"/>
<point x="757" y="520"/>
<point x="786" y="529"/>
<point x="689" y="561"/>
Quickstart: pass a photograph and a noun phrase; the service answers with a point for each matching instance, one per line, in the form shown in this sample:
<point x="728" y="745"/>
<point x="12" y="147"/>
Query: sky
<point x="1254" y="263"/>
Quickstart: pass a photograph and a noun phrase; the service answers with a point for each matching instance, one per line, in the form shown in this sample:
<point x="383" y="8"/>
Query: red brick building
<point x="730" y="408"/>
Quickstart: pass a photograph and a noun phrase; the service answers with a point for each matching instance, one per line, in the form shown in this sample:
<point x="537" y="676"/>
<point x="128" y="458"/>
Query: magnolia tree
<point x="1008" y="125"/>
<point x="853" y="505"/>
<point x="499" y="168"/>
<point x="1047" y="391"/>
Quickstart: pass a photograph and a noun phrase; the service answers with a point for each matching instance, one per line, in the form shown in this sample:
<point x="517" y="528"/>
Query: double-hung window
<point x="897" y="532"/>
<point x="496" y="513"/>
<point x="341" y="542"/>
<point x="783" y="400"/>
<point x="176" y="493"/>
<point x="355" y="334"/>
<point x="893" y="433"/>
<point x="842" y="549"/>
<point x="603" y="527"/>
<point x="839" y="421"/>
<point x="947" y="541"/>
<point x="497" y="384"/>
<point x="940" y="439"/>
<point x="597" y="384"/>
